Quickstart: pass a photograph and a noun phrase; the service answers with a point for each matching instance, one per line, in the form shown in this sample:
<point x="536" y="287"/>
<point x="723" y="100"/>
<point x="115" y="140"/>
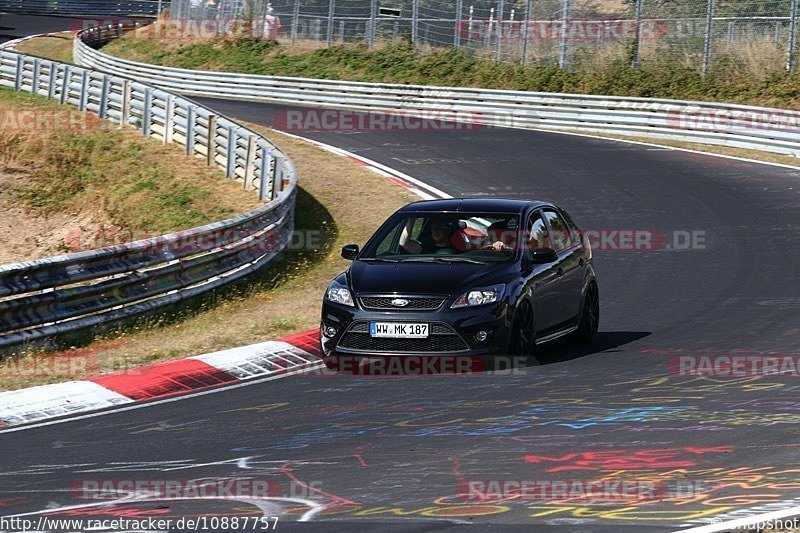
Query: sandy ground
<point x="26" y="235"/>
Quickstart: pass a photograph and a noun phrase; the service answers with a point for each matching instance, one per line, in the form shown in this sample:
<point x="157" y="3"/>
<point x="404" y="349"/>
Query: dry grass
<point x="341" y="200"/>
<point x="57" y="47"/>
<point x="71" y="182"/>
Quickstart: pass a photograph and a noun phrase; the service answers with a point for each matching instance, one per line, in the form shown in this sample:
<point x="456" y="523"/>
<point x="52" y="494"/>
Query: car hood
<point x="424" y="278"/>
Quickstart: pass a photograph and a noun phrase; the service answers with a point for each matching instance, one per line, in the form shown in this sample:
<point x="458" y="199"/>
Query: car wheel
<point x="522" y="334"/>
<point x="590" y="316"/>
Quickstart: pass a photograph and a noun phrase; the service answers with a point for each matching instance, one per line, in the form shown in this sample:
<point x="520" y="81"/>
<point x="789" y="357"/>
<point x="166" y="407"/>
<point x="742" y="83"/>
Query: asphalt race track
<point x="392" y="452"/>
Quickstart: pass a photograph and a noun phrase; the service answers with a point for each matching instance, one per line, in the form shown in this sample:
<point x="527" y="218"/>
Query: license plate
<point x="398" y="331"/>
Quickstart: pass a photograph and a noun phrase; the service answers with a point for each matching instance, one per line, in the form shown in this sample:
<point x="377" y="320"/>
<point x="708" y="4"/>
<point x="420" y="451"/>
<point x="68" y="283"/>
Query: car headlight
<point x="480" y="296"/>
<point x="339" y="293"/>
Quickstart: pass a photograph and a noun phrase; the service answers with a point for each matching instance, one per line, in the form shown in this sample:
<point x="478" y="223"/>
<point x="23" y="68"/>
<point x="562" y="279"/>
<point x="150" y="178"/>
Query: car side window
<point x="537" y="236"/>
<point x="559" y="231"/>
<point x="389" y="243"/>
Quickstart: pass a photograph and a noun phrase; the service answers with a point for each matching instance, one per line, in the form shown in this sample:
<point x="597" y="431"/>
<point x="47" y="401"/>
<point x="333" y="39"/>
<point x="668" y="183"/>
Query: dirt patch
<point x="27" y="235"/>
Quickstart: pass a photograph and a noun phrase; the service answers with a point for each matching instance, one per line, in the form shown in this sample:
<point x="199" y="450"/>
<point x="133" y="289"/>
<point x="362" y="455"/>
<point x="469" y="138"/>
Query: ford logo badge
<point x="399" y="302"/>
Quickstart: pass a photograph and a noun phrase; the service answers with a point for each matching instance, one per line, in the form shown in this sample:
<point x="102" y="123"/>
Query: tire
<point x="590" y="316"/>
<point x="522" y="342"/>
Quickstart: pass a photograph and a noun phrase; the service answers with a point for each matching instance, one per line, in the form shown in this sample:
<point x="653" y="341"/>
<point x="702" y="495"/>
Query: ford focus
<point x="475" y="277"/>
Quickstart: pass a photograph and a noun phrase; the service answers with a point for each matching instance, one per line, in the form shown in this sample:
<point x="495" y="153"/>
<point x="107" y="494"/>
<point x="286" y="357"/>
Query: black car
<point x="477" y="277"/>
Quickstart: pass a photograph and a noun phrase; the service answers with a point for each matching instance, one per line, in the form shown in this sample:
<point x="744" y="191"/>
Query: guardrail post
<point x="709" y="39"/>
<point x="792" y="36"/>
<point x="563" y="49"/>
<point x="51" y="82"/>
<point x="637" y="39"/>
<point x="277" y="180"/>
<point x="266" y="166"/>
<point x="414" y="21"/>
<point x="65" y="81"/>
<point x="249" y="168"/>
<point x="37" y="69"/>
<point x="104" y="96"/>
<point x="169" y="119"/>
<point x="18" y="74"/>
<point x="211" y="154"/>
<point x="84" y="97"/>
<point x="329" y="34"/>
<point x="525" y="25"/>
<point x="125" y="111"/>
<point x="147" y="111"/>
<point x="231" y="167"/>
<point x="459" y="22"/>
<point x="191" y="124"/>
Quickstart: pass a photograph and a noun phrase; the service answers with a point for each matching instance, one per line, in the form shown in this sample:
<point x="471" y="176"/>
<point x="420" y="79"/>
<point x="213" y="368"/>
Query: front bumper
<point x="451" y="331"/>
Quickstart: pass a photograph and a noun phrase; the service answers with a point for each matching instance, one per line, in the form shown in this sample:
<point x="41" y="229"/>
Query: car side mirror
<point x="350" y="251"/>
<point x="541" y="256"/>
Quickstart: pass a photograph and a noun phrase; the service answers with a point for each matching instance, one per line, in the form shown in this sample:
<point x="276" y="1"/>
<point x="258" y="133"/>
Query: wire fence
<point x="698" y="34"/>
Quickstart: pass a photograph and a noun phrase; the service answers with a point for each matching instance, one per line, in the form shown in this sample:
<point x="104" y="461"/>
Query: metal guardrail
<point x="117" y="8"/>
<point x="738" y="126"/>
<point x="50" y="297"/>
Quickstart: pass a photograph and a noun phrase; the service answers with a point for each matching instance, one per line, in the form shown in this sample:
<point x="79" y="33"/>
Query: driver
<point x="440" y="239"/>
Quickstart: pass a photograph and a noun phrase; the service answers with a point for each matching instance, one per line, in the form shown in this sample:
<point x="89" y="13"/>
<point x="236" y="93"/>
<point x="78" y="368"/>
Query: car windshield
<point x="444" y="238"/>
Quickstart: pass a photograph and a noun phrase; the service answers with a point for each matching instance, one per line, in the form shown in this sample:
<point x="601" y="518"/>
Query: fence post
<point x="84" y="98"/>
<point x="414" y="21"/>
<point x="147" y="111"/>
<point x="125" y="111"/>
<point x="211" y="153"/>
<point x="64" y="96"/>
<point x="459" y="22"/>
<point x="230" y="171"/>
<point x="373" y="21"/>
<point x="792" y="37"/>
<point x="563" y="49"/>
<point x="499" y="33"/>
<point x="51" y="82"/>
<point x="709" y="39"/>
<point x="104" y="96"/>
<point x="37" y="68"/>
<point x="249" y="168"/>
<point x="525" y="25"/>
<point x="191" y="124"/>
<point x="637" y="45"/>
<point x="331" y="11"/>
<point x="18" y="74"/>
<point x="169" y="119"/>
<point x="295" y="20"/>
<point x="277" y="179"/>
<point x="266" y="166"/>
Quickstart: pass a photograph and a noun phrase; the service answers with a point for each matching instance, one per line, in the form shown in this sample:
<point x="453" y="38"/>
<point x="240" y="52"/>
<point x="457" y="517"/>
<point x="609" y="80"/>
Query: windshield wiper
<point x="450" y="259"/>
<point x="378" y="260"/>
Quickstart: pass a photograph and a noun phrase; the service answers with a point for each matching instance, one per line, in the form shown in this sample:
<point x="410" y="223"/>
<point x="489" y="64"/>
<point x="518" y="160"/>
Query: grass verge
<point x="69" y="182"/>
<point x="333" y="208"/>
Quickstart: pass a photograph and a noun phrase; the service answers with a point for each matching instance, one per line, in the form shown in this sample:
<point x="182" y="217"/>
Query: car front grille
<point x="414" y="304"/>
<point x="442" y="338"/>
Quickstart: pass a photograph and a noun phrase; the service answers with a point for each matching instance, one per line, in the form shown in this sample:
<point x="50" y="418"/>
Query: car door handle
<point x="560" y="272"/>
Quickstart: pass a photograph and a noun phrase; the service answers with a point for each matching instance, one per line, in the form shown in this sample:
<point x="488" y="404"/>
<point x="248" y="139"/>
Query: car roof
<point x="475" y="205"/>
